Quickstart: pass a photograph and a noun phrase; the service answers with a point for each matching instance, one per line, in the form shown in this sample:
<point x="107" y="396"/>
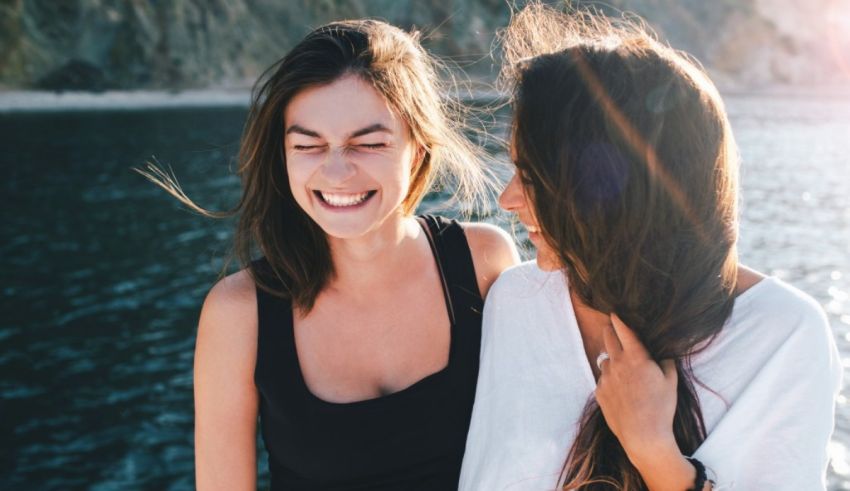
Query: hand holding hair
<point x="637" y="396"/>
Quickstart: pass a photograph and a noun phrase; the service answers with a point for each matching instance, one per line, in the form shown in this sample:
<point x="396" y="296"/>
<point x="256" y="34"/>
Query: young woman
<point x="356" y="336"/>
<point x="626" y="179"/>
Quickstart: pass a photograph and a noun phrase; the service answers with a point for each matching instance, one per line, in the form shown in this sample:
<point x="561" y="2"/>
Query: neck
<point x="590" y="325"/>
<point x="372" y="258"/>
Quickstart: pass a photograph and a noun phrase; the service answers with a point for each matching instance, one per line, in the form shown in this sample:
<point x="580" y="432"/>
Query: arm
<point x="774" y="434"/>
<point x="493" y="251"/>
<point x="226" y="399"/>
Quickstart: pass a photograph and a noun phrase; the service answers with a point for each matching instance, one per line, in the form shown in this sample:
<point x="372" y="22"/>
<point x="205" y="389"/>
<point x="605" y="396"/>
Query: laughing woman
<point x="626" y="177"/>
<point x="356" y="336"/>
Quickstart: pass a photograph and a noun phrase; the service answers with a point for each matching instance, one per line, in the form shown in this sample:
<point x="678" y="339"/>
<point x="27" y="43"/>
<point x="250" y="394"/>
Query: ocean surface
<point x="103" y="274"/>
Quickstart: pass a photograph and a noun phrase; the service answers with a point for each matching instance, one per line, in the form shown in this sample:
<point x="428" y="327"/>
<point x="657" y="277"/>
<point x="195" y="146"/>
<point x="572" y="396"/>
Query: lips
<point x="343" y="200"/>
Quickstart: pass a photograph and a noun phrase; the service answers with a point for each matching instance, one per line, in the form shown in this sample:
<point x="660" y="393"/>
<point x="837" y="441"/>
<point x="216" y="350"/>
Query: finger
<point x="628" y="339"/>
<point x="671" y="375"/>
<point x="602" y="362"/>
<point x="612" y="344"/>
<point x="599" y="395"/>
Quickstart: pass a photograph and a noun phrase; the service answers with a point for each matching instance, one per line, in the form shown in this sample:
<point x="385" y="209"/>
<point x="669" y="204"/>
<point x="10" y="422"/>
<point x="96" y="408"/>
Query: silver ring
<point x="603" y="356"/>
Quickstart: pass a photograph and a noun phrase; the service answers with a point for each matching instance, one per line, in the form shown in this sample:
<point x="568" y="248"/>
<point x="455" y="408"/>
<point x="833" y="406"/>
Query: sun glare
<point x="838" y="29"/>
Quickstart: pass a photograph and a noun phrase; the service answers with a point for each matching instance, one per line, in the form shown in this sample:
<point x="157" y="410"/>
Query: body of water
<point x="104" y="275"/>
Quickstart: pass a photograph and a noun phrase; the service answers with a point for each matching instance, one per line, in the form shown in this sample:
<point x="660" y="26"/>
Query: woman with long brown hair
<point x="637" y="352"/>
<point x="355" y="335"/>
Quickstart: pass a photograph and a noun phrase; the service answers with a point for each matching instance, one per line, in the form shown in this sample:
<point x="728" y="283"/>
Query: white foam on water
<point x="12" y="101"/>
<point x="42" y="101"/>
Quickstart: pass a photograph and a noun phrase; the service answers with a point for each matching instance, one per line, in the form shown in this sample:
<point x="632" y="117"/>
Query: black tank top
<point x="412" y="439"/>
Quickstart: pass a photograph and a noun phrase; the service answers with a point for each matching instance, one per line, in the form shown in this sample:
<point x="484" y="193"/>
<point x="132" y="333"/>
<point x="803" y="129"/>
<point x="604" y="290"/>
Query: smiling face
<point x="515" y="198"/>
<point x="348" y="156"/>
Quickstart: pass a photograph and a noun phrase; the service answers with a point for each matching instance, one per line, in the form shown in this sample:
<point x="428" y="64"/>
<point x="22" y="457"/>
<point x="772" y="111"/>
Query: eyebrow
<point x="377" y="127"/>
<point x="301" y="130"/>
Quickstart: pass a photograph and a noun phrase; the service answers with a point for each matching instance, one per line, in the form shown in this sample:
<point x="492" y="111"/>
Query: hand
<point x="636" y="395"/>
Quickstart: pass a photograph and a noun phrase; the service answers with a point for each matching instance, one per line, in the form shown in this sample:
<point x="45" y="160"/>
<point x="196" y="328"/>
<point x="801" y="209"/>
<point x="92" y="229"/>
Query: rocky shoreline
<point x="105" y="45"/>
<point x="17" y="101"/>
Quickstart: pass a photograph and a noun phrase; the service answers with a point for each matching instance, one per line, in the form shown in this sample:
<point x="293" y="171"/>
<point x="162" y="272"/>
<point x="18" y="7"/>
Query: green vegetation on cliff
<point x="128" y="44"/>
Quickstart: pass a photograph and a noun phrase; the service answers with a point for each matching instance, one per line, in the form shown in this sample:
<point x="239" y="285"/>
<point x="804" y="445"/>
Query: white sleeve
<point x="775" y="433"/>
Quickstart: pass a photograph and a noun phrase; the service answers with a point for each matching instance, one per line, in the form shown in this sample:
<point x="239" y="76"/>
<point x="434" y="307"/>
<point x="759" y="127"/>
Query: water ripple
<point x="103" y="284"/>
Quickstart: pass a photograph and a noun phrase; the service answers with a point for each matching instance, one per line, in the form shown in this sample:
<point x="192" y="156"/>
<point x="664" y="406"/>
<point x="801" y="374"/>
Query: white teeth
<point x="339" y="199"/>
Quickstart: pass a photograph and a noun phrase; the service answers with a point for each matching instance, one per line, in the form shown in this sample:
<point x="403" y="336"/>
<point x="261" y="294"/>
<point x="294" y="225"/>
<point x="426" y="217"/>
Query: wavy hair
<point x="393" y="61"/>
<point x="628" y="159"/>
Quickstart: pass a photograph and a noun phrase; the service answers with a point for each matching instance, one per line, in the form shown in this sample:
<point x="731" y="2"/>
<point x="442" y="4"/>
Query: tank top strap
<point x="410" y="439"/>
<point x="454" y="260"/>
<point x="275" y="343"/>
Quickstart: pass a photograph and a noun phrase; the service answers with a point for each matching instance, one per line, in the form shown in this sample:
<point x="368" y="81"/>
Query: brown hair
<point x="627" y="155"/>
<point x="270" y="220"/>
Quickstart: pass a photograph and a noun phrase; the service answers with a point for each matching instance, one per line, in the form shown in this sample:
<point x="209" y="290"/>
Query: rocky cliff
<point x="756" y="43"/>
<point x="175" y="44"/>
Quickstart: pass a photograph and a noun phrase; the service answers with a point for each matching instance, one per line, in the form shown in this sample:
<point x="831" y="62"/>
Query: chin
<point x="345" y="229"/>
<point x="351" y="225"/>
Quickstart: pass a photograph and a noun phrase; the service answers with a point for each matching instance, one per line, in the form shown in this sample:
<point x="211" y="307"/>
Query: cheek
<point x="529" y="204"/>
<point x="298" y="171"/>
<point x="396" y="173"/>
<point x="406" y="170"/>
<point x="526" y="196"/>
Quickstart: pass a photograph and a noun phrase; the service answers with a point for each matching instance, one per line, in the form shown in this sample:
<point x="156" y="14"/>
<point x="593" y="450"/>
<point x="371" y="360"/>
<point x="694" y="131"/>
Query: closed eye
<point x="372" y="145"/>
<point x="306" y="147"/>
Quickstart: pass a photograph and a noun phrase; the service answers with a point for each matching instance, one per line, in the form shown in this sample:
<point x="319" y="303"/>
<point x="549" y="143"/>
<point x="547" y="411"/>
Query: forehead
<point x="341" y="107"/>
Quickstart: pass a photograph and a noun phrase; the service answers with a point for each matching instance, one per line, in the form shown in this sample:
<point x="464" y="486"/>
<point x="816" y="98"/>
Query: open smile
<point x="533" y="233"/>
<point x="534" y="229"/>
<point x="343" y="201"/>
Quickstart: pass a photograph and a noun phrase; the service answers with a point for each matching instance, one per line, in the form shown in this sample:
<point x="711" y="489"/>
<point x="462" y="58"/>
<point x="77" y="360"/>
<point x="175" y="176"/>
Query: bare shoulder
<point x="235" y="291"/>
<point x="493" y="251"/>
<point x="489" y="240"/>
<point x="229" y="315"/>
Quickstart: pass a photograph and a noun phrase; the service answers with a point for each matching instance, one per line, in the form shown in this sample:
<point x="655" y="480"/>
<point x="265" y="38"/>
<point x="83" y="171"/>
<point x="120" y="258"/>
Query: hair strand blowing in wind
<point x="632" y="172"/>
<point x="270" y="221"/>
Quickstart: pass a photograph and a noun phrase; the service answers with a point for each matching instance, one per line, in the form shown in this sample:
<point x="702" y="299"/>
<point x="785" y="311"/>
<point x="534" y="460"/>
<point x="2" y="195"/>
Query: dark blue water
<point x="104" y="275"/>
<point x="102" y="282"/>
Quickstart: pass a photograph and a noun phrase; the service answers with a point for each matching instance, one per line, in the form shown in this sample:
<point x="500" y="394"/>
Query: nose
<point x="512" y="197"/>
<point x="337" y="169"/>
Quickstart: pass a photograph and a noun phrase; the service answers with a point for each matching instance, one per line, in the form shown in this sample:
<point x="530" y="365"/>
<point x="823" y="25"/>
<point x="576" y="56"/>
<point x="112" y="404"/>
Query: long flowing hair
<point x="629" y="161"/>
<point x="298" y="259"/>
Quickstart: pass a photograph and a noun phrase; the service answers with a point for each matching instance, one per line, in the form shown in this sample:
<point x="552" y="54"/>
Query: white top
<point x="774" y="370"/>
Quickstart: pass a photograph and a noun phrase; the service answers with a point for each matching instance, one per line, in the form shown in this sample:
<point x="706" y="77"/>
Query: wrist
<point x="650" y="453"/>
<point x="665" y="470"/>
